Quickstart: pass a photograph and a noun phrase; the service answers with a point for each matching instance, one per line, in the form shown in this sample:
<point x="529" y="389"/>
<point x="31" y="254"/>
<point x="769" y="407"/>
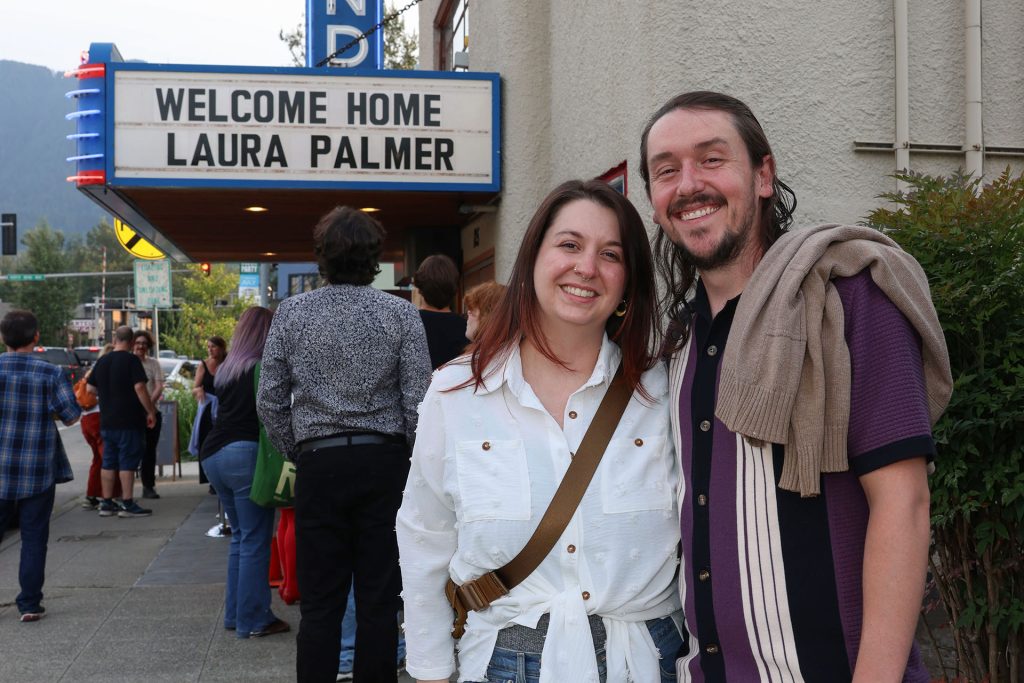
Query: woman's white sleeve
<point x="427" y="539"/>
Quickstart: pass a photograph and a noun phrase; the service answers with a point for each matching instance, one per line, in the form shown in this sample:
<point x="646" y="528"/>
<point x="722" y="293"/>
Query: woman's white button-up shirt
<point x="485" y="466"/>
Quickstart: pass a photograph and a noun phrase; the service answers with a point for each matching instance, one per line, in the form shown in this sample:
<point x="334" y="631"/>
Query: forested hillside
<point x="33" y="150"/>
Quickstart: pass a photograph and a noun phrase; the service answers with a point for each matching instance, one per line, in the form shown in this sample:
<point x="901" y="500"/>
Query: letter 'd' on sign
<point x="332" y="24"/>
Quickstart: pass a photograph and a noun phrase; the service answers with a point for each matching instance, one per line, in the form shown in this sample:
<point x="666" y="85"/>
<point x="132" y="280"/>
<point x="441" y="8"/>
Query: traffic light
<point x="205" y="267"/>
<point x="9" y="221"/>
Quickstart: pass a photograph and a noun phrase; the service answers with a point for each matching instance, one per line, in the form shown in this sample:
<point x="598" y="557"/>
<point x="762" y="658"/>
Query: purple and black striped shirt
<point x="771" y="582"/>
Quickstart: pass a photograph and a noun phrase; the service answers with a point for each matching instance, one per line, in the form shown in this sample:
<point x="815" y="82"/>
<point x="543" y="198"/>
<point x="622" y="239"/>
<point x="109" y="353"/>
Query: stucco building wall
<point x="580" y="79"/>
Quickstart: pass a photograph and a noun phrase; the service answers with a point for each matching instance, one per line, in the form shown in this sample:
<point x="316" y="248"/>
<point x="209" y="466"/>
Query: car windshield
<point x="167" y="365"/>
<point x="56" y="356"/>
<point x="87" y="354"/>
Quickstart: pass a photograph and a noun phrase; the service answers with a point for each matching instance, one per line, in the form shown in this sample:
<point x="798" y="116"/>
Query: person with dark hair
<point x="229" y="456"/>
<point x="205" y="393"/>
<point x="480" y="303"/>
<point x="436" y="281"/>
<point x="32" y="456"/>
<point x="499" y="429"/>
<point x="344" y="369"/>
<point x="126" y="411"/>
<point x="142" y="347"/>
<point x="90" y="425"/>
<point x="806" y="370"/>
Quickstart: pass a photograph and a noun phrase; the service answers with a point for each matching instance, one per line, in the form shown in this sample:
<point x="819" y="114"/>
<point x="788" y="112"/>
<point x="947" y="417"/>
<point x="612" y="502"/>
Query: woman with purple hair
<point x="228" y="455"/>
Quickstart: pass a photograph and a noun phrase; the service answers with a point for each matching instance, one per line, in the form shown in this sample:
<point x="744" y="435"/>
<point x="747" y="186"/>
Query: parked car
<point x="87" y="355"/>
<point x="63" y="358"/>
<point x="177" y="372"/>
<point x="167" y="353"/>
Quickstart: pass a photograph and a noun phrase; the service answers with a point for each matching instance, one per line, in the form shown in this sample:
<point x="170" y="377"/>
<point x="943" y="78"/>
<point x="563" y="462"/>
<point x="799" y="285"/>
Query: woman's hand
<point x="199" y="394"/>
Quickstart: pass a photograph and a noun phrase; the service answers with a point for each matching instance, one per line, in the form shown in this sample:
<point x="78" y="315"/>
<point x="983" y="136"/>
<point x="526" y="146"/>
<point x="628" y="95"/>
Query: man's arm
<point x="895" y="565"/>
<point x="414" y="371"/>
<point x="147" y="403"/>
<point x="274" y="394"/>
<point x="63" y="403"/>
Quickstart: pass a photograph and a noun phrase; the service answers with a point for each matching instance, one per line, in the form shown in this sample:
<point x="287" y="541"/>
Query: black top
<point x="207" y="384"/>
<point x="236" y="415"/>
<point x="446" y="336"/>
<point x="115" y="376"/>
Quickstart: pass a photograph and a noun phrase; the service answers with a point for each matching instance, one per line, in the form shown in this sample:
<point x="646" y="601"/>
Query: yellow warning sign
<point x="134" y="243"/>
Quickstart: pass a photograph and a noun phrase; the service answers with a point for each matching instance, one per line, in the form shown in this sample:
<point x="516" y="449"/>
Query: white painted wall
<point x="580" y="78"/>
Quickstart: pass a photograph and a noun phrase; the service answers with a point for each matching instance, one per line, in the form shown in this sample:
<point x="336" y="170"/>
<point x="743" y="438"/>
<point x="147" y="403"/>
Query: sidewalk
<point x="134" y="599"/>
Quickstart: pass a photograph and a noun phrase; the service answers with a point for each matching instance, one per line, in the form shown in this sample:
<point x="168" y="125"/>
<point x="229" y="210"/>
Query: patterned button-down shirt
<point x="32" y="457"/>
<point x="342" y="358"/>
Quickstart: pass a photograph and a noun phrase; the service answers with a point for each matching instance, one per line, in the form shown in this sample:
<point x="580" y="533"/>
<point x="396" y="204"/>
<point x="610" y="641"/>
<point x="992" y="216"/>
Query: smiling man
<point x="804" y="497"/>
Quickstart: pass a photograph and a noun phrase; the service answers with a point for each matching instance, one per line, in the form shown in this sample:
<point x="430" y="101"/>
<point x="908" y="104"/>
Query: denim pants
<point x="34" y="519"/>
<point x="509" y="666"/>
<point x="247" y="597"/>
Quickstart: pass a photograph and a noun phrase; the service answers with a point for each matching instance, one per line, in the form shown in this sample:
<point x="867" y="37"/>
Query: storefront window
<point x="451" y="26"/>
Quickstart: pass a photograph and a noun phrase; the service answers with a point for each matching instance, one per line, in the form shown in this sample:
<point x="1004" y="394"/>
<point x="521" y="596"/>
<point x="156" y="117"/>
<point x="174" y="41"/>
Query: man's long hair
<point x="678" y="271"/>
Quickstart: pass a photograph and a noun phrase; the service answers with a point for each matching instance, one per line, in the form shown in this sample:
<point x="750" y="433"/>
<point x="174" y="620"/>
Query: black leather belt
<point x="352" y="439"/>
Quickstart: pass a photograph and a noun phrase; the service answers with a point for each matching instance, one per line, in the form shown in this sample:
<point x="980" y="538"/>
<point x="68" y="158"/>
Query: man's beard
<point x="734" y="241"/>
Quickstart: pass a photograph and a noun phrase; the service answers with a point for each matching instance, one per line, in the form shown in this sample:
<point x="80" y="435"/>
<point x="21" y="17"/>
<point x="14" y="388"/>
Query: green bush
<point x="969" y="239"/>
<point x="186" y="415"/>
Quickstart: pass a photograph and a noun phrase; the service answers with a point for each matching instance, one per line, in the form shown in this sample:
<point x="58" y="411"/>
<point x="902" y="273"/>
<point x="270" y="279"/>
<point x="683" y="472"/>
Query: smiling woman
<point x="497" y="433"/>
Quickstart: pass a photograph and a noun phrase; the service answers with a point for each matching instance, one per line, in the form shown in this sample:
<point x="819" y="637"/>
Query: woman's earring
<point x="621" y="309"/>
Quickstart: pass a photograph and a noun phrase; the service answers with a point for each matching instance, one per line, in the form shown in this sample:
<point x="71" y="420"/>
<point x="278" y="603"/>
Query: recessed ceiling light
<point x="256" y="209"/>
<point x="270" y="253"/>
<point x="369" y="209"/>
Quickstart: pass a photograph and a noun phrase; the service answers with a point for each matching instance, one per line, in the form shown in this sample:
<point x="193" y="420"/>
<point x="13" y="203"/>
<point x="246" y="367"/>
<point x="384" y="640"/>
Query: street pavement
<point x="138" y="599"/>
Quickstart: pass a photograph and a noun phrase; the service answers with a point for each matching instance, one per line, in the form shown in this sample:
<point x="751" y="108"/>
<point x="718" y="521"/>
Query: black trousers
<point x="346" y="501"/>
<point x="147" y="470"/>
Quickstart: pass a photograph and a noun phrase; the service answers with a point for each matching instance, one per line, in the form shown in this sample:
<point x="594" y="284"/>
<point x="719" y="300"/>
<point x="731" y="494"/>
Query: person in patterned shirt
<point x="32" y="456"/>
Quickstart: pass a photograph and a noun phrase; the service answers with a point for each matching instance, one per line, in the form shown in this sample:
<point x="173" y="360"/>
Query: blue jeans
<point x="509" y="666"/>
<point x="247" y="597"/>
<point x="34" y="519"/>
<point x="348" y="637"/>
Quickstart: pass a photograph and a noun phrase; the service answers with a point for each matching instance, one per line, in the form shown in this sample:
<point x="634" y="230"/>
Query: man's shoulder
<point x="27" y="362"/>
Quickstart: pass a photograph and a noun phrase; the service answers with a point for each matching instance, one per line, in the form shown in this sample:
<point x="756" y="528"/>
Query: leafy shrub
<point x="186" y="415"/>
<point x="969" y="239"/>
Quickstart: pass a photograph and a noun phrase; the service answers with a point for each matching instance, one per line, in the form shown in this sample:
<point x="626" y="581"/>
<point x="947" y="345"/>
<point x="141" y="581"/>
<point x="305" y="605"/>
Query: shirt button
<point x="586" y="595"/>
<point x="571" y="549"/>
<point x="705" y="426"/>
<point x="486" y="445"/>
<point x="572" y="414"/>
<point x="711" y="649"/>
<point x="712" y="350"/>
<point x="702" y="500"/>
<point x="704" y="575"/>
<point x="638" y="442"/>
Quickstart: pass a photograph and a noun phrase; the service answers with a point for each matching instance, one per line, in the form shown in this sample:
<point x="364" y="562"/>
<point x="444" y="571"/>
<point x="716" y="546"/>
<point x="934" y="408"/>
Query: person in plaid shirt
<point x="32" y="458"/>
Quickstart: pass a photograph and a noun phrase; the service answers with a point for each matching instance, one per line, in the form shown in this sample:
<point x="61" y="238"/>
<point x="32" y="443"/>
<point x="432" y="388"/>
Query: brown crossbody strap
<point x="481" y="592"/>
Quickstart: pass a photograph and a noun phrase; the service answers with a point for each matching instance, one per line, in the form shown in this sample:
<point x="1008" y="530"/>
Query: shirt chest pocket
<point x="494" y="481"/>
<point x="635" y="475"/>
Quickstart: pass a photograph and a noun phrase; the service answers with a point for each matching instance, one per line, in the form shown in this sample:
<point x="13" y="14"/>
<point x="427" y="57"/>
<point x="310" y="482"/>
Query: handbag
<point x="273" y="482"/>
<point x="479" y="593"/>
<point x="86" y="399"/>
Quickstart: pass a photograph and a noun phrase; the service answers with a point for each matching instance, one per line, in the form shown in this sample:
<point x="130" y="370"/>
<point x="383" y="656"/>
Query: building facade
<point x="580" y="79"/>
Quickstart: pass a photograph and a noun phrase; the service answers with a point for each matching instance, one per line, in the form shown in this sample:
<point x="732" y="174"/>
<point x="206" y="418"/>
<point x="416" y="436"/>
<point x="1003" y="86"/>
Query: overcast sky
<point x="53" y="33"/>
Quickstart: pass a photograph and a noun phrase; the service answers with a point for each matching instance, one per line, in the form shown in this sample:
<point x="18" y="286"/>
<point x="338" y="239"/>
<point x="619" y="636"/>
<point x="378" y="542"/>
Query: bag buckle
<point x="473" y="596"/>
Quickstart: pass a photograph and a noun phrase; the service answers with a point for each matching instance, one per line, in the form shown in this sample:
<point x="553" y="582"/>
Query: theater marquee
<point x="298" y="128"/>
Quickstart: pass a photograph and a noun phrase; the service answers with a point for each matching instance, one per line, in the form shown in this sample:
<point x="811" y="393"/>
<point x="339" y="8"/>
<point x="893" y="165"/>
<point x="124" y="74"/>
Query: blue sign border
<point x="113" y="181"/>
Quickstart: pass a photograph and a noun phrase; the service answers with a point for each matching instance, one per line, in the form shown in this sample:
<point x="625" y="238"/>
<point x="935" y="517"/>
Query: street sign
<point x="23" y="277"/>
<point x="134" y="243"/>
<point x="153" y="284"/>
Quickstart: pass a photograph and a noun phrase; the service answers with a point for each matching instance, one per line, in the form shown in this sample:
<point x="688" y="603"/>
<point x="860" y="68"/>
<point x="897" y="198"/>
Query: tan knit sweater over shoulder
<point x="786" y="369"/>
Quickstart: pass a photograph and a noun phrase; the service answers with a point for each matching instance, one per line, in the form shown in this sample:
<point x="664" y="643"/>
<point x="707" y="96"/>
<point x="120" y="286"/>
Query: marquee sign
<point x="181" y="126"/>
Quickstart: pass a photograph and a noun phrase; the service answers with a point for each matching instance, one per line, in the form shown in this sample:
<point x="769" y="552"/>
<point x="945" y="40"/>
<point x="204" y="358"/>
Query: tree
<point x="400" y="48"/>
<point x="53" y="301"/>
<point x="970" y="241"/>
<point x="86" y="255"/>
<point x="210" y="308"/>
